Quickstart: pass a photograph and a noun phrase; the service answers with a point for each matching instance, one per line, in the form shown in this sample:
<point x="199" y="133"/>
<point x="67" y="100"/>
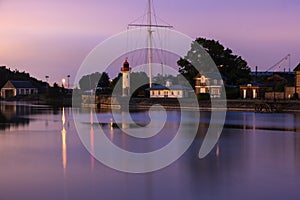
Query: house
<point x="208" y="83"/>
<point x="169" y="91"/>
<point x="13" y="88"/>
<point x="252" y="90"/>
<point x="291" y="90"/>
<point x="297" y="74"/>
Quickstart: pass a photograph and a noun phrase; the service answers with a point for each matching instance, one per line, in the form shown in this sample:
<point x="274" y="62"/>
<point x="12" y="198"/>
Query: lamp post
<point x="47" y="84"/>
<point x="68" y="81"/>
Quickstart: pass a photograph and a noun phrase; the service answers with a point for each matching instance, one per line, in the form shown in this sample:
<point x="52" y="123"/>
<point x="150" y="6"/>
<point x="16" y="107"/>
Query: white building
<point x="14" y="88"/>
<point x="208" y="84"/>
<point x="169" y="91"/>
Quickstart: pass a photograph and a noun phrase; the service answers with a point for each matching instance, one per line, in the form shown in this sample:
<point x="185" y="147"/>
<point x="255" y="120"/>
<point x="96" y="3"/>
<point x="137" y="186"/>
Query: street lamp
<point x="47" y="84"/>
<point x="68" y="81"/>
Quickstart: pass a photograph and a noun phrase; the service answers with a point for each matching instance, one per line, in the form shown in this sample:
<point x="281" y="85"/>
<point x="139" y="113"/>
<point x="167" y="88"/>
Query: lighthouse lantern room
<point x="126" y="78"/>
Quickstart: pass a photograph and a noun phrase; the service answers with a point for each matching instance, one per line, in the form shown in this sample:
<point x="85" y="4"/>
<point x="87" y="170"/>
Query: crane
<point x="280" y="62"/>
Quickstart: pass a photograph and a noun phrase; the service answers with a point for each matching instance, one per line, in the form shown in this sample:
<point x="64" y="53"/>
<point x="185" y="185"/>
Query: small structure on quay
<point x="290" y="91"/>
<point x="252" y="90"/>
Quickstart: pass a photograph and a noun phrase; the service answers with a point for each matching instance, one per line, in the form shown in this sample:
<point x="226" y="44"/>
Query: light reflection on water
<point x="44" y="159"/>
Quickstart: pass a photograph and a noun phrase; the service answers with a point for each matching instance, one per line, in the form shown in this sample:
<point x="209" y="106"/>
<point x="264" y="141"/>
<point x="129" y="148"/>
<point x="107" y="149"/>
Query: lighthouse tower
<point x="126" y="78"/>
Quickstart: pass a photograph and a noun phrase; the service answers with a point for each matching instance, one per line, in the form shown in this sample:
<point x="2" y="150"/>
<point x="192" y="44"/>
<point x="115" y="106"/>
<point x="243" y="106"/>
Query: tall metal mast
<point x="150" y="47"/>
<point x="150" y="43"/>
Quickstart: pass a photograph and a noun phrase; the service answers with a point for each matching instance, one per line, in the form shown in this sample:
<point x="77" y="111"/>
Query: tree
<point x="7" y="74"/>
<point x="138" y="79"/>
<point x="55" y="91"/>
<point x="117" y="88"/>
<point x="93" y="80"/>
<point x="233" y="68"/>
<point x="160" y="79"/>
<point x="104" y="80"/>
<point x="139" y="82"/>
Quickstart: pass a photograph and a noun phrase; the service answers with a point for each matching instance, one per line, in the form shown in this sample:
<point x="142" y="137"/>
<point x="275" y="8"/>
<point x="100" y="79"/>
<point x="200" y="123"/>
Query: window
<point x="202" y="90"/>
<point x="202" y="79"/>
<point x="214" y="91"/>
<point x="166" y="93"/>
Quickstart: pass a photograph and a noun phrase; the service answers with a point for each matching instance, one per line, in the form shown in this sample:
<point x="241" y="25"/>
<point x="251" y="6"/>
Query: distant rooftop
<point x="269" y="73"/>
<point x="297" y="68"/>
<point x="172" y="87"/>
<point x="254" y="84"/>
<point x="210" y="75"/>
<point x="22" y="84"/>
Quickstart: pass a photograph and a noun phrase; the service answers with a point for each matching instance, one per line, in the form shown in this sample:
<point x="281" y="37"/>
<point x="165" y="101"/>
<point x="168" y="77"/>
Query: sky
<point x="52" y="37"/>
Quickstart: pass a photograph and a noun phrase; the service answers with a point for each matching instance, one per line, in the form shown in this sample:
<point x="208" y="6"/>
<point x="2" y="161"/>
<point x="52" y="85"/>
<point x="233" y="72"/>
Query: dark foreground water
<point x="42" y="157"/>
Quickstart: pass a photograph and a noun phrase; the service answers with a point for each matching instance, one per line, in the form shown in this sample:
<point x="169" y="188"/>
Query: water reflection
<point x="297" y="121"/>
<point x="263" y="121"/>
<point x="111" y="133"/>
<point x="217" y="150"/>
<point x="64" y="141"/>
<point x="92" y="143"/>
<point x="296" y="153"/>
<point x="11" y="115"/>
<point x="249" y="162"/>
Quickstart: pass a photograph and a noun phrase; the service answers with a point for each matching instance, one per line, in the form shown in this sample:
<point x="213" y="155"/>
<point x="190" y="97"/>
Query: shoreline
<point x="239" y="105"/>
<point x="204" y="105"/>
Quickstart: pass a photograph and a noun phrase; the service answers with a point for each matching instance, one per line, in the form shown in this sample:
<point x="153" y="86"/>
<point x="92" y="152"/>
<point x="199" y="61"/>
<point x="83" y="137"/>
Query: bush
<point x="232" y="92"/>
<point x="295" y="96"/>
<point x="203" y="96"/>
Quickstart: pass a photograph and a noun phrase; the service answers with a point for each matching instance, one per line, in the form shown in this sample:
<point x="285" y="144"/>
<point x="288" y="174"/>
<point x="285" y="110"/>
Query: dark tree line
<point x="234" y="69"/>
<point x="94" y="80"/>
<point x="8" y="74"/>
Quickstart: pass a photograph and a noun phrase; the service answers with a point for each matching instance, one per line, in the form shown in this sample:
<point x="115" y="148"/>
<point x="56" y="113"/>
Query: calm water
<point x="42" y="157"/>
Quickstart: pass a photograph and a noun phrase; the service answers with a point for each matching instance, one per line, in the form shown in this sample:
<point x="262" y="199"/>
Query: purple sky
<point x="52" y="38"/>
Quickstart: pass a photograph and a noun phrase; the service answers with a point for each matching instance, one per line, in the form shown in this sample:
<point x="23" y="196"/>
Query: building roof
<point x="210" y="75"/>
<point x="254" y="84"/>
<point x="172" y="87"/>
<point x="271" y="73"/>
<point x="21" y="84"/>
<point x="297" y="68"/>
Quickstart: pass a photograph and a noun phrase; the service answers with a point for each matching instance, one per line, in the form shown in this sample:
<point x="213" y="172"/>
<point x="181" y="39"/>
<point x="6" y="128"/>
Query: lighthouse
<point x="126" y="78"/>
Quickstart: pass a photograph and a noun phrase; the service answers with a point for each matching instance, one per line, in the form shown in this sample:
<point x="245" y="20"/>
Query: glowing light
<point x="64" y="140"/>
<point x="64" y="147"/>
<point x="218" y="151"/>
<point x="63" y="117"/>
<point x="63" y="81"/>
<point x="111" y="130"/>
<point x="92" y="148"/>
<point x="92" y="140"/>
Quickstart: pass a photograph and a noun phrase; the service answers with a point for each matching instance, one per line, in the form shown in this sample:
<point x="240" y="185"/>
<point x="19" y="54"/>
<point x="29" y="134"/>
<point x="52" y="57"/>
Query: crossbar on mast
<point x="149" y="25"/>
